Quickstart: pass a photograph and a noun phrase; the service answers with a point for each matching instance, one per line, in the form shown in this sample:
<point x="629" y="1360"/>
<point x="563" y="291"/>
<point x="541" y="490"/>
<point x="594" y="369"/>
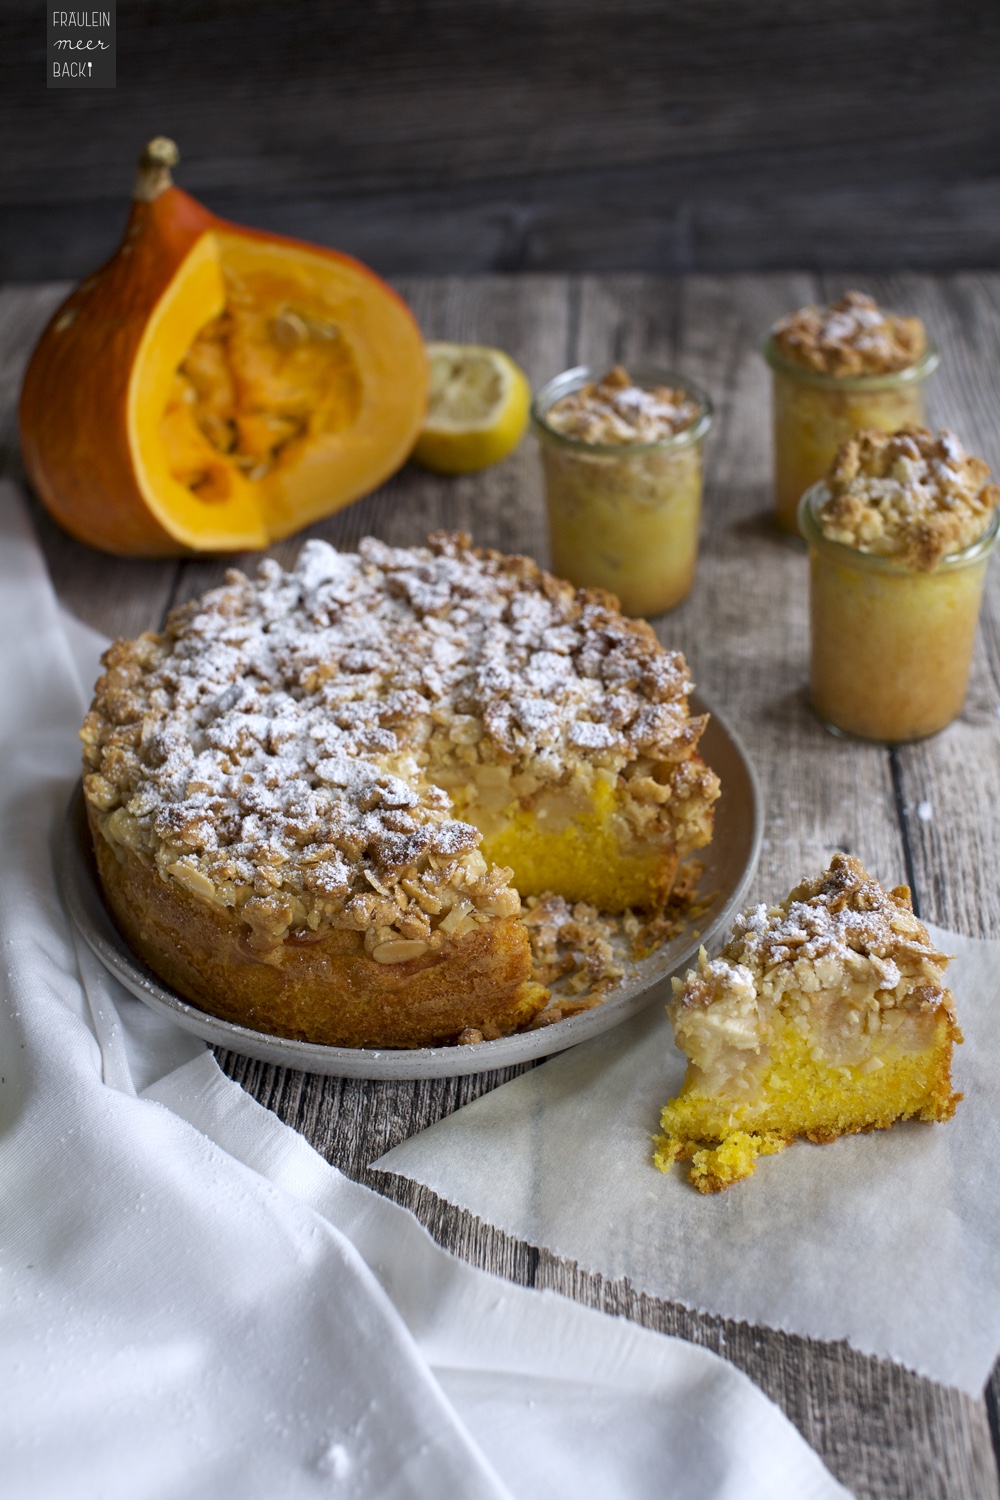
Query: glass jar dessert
<point x="623" y="481"/>
<point x="836" y="370"/>
<point x="900" y="536"/>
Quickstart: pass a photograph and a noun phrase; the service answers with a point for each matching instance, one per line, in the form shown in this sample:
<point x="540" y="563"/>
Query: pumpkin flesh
<point x="232" y="519"/>
<point x="250" y="405"/>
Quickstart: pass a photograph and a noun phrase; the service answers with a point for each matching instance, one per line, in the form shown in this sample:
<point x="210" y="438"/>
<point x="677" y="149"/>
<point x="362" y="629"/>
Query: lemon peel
<point x="478" y="410"/>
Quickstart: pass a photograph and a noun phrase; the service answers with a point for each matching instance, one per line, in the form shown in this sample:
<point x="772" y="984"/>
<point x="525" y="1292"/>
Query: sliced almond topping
<point x="193" y="880"/>
<point x="399" y="951"/>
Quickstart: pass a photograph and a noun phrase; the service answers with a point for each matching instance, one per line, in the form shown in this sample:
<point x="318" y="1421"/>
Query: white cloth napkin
<point x="197" y="1305"/>
<point x="889" y="1240"/>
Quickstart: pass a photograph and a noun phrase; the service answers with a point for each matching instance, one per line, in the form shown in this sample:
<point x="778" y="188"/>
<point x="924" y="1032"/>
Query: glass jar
<point x="815" y="413"/>
<point x="891" y="646"/>
<point x="624" y="516"/>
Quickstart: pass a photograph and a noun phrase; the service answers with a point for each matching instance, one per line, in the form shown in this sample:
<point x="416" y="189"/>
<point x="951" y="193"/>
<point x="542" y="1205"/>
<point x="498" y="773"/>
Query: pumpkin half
<point x="214" y="388"/>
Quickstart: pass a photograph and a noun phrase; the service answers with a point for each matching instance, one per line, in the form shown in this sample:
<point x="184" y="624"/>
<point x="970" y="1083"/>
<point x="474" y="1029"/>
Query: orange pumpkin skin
<point x="74" y="432"/>
<point x="89" y="431"/>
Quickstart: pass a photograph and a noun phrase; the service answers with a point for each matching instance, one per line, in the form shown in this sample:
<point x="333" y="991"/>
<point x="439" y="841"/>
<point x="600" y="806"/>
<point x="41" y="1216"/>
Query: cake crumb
<point x="583" y="950"/>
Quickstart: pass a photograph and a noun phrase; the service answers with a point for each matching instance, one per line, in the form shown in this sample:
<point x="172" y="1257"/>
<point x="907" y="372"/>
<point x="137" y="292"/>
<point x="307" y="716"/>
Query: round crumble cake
<point x="317" y="798"/>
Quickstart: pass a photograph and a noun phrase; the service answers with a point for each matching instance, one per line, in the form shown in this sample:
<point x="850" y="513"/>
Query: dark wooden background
<point x="575" y="135"/>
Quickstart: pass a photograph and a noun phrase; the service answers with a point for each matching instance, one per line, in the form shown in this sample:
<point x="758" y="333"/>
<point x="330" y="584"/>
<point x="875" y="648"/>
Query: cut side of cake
<point x="823" y="1016"/>
<point x="317" y="798"/>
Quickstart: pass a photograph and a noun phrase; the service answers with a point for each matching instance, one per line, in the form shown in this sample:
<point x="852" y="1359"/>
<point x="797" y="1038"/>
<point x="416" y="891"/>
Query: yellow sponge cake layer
<point x="581" y="846"/>
<point x="587" y="860"/>
<point x="802" y="1096"/>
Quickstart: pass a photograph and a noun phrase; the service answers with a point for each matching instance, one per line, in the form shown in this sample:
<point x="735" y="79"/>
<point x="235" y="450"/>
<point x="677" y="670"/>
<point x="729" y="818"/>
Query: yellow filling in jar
<point x="623" y="515"/>
<point x="891" y="646"/>
<point x="629" y="524"/>
<point x="812" y="419"/>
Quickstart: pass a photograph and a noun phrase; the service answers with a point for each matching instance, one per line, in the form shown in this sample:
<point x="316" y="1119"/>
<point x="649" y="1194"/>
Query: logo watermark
<point x="81" y="50"/>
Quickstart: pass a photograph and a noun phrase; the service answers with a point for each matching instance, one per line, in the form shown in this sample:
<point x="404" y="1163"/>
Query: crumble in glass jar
<point x="900" y="536"/>
<point x="836" y="370"/>
<point x="623" y="481"/>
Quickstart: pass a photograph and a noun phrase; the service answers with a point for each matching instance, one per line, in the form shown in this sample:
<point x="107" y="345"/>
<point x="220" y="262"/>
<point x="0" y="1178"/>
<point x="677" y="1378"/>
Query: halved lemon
<point x="479" y="405"/>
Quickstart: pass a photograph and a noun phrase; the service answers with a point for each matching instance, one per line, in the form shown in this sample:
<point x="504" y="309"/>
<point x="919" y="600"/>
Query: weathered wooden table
<point x="928" y="814"/>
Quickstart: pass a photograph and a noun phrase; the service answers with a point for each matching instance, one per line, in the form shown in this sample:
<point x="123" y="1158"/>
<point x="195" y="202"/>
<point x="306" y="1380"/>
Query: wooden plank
<point x="715" y="214"/>
<point x="538" y="134"/>
<point x="426" y="93"/>
<point x="444" y="93"/>
<point x="24" y="311"/>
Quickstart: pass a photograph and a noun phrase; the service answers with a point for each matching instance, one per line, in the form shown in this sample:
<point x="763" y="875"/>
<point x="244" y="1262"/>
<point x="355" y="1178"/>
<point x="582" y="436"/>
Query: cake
<point x="318" y="798"/>
<point x="824" y="1015"/>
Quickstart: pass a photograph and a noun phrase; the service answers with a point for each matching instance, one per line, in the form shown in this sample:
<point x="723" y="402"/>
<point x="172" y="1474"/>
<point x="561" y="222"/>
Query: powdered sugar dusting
<point x="850" y="337"/>
<point x="616" y="410"/>
<point x="833" y="933"/>
<point x="270" y="749"/>
<point x="913" y="495"/>
<point x="842" y="913"/>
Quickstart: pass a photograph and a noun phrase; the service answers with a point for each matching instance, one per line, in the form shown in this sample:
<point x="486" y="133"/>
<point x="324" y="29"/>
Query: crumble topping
<point x="841" y="959"/>
<point x="615" y="410"/>
<point x="850" y="337"/>
<point x="574" y="944"/>
<point x="913" y="495"/>
<point x="274" y="749"/>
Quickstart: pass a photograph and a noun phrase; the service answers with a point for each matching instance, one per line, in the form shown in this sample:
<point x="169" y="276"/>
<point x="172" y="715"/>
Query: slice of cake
<point x="317" y="798"/>
<point x="824" y="1015"/>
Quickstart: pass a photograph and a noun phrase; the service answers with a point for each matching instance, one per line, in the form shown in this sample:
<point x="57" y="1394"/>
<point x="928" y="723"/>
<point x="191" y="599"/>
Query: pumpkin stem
<point x="153" y="176"/>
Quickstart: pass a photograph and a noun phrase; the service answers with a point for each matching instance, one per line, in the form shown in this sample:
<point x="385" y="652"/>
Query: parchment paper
<point x="889" y="1240"/>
